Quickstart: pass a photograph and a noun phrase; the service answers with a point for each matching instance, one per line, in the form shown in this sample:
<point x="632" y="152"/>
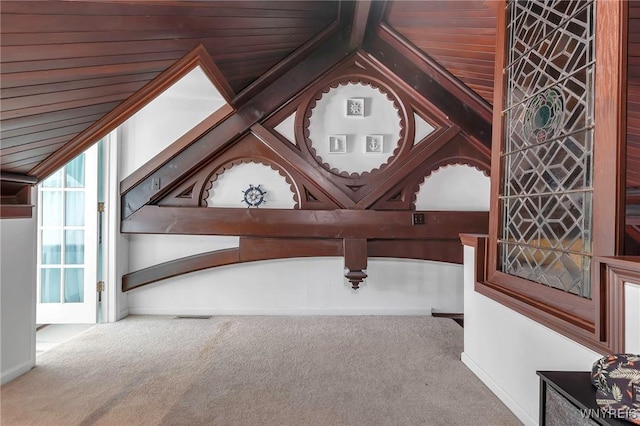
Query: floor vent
<point x="193" y="317"/>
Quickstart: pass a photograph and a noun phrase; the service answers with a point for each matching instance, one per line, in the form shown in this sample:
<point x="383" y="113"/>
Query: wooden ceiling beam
<point x="359" y="26"/>
<point x="17" y="178"/>
<point x="412" y="68"/>
<point x="343" y="223"/>
<point x="311" y="175"/>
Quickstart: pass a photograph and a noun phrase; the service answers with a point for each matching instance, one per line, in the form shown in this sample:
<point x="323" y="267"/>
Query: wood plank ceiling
<point x="66" y="64"/>
<point x="459" y="35"/>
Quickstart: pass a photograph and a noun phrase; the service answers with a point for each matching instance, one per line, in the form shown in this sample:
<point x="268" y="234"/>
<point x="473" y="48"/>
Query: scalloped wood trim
<point x="364" y="81"/>
<point x="227" y="166"/>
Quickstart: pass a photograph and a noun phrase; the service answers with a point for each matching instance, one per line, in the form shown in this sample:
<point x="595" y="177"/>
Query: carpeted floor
<point x="361" y="370"/>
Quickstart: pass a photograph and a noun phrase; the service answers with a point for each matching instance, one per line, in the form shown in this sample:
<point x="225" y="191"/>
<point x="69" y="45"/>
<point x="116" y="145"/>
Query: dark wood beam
<point x="179" y="267"/>
<point x="359" y="26"/>
<point x="18" y="178"/>
<point x="15" y="211"/>
<point x="303" y="223"/>
<point x="15" y="196"/>
<point x="256" y="249"/>
<point x="262" y="104"/>
<point x="411" y="68"/>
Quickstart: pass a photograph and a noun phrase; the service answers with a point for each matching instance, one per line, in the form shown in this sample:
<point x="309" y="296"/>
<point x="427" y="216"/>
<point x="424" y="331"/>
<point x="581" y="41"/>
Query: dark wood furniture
<point x="568" y="398"/>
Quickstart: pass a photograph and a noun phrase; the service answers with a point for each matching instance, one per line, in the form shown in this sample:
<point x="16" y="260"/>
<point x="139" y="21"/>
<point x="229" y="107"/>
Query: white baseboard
<point x="279" y="311"/>
<point x="502" y="395"/>
<point x="123" y="314"/>
<point x="16" y="371"/>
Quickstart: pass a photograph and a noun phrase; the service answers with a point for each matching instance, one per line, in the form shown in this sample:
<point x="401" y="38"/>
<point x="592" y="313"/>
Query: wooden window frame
<point x="583" y="320"/>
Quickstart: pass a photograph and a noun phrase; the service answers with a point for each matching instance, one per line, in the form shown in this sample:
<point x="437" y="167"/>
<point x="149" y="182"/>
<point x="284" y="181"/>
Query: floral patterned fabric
<point x="617" y="381"/>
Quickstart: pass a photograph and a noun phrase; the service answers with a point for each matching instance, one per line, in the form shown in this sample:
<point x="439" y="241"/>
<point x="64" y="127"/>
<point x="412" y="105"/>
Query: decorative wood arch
<point x="230" y="164"/>
<point x="303" y="121"/>
<point x="338" y="213"/>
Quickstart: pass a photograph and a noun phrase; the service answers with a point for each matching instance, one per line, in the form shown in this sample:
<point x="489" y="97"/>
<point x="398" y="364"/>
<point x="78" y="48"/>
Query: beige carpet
<point x="363" y="370"/>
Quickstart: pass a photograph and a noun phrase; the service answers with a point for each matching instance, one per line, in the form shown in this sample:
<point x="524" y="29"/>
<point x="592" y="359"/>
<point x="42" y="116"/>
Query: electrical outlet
<point x="155" y="183"/>
<point x="418" y="218"/>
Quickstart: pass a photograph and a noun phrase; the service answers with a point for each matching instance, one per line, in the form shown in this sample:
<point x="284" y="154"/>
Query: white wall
<point x="505" y="349"/>
<point x="306" y="286"/>
<point x="174" y="112"/>
<point x="17" y="296"/>
<point x="455" y="187"/>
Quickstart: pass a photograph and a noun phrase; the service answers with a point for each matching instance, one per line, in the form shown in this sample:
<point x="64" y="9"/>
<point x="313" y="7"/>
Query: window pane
<point x="53" y="181"/>
<point x="50" y="285"/>
<point x="74" y="285"/>
<point x="51" y="247"/>
<point x="74" y="213"/>
<point x="74" y="173"/>
<point x="74" y="247"/>
<point x="51" y="208"/>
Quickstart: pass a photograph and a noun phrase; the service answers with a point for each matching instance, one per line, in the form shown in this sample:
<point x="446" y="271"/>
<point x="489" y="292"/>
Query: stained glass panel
<point x="532" y="21"/>
<point x="555" y="221"/>
<point x="564" y="271"/>
<point x="552" y="167"/>
<point x="546" y="194"/>
<point x="565" y="106"/>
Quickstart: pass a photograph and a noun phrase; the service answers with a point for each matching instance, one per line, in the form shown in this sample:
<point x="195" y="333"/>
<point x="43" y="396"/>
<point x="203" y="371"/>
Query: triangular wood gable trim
<point x="197" y="57"/>
<point x="264" y="103"/>
<point x="331" y="207"/>
<point x="338" y="191"/>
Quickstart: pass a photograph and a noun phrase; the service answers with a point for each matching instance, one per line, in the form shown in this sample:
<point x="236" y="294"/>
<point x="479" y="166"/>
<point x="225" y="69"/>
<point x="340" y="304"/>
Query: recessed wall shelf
<point x="337" y="144"/>
<point x="374" y="144"/>
<point x="355" y="107"/>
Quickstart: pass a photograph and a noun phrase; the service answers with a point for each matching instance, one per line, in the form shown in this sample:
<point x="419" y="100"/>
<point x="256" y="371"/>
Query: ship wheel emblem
<point x="254" y="196"/>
